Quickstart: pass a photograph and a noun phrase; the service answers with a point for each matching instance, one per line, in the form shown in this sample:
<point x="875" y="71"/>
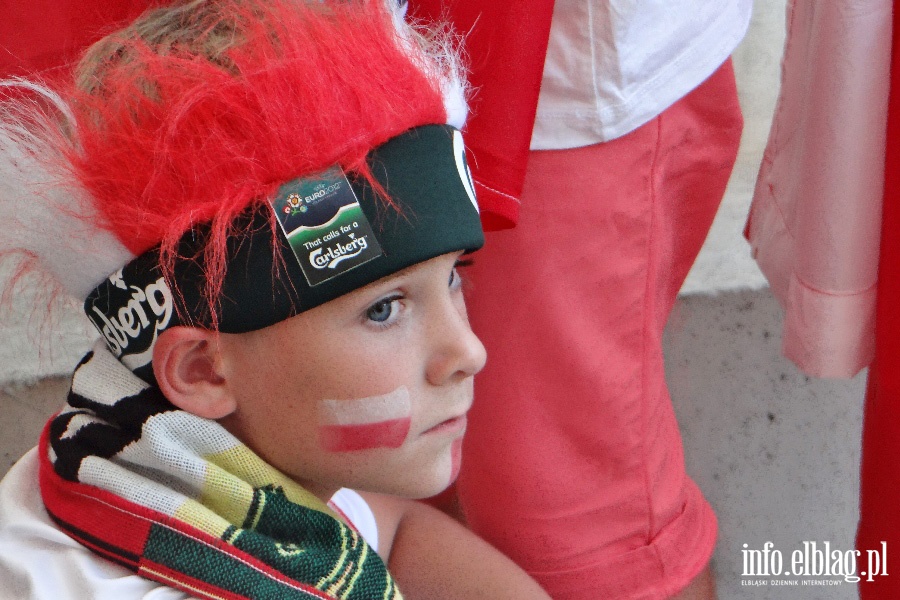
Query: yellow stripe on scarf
<point x="233" y="474"/>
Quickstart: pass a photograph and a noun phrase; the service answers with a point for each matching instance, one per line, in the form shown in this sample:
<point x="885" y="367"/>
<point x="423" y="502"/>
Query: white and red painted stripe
<point x="365" y="423"/>
<point x="455" y="458"/>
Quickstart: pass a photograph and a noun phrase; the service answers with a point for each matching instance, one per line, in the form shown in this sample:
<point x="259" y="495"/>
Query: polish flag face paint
<point x="456" y="459"/>
<point x="365" y="423"/>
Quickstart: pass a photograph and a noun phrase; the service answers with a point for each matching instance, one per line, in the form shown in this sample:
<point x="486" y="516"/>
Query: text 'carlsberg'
<point x="132" y="319"/>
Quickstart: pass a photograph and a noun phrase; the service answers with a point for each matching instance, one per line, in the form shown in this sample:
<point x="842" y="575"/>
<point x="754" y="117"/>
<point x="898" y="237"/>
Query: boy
<point x="263" y="206"/>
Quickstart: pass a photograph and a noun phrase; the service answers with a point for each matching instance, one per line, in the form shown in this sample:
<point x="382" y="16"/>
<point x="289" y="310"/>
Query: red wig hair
<point x="195" y="112"/>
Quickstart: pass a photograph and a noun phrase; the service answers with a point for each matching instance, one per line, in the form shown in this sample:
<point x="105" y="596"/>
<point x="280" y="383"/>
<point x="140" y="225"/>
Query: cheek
<point x="433" y="474"/>
<point x="365" y="423"/>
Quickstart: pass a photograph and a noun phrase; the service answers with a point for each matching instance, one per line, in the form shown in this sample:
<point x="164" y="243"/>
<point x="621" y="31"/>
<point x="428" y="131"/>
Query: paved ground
<point x="775" y="452"/>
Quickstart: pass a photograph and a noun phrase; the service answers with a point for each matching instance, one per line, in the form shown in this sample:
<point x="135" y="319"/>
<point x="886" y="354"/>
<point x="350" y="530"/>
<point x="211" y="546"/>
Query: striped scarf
<point x="179" y="500"/>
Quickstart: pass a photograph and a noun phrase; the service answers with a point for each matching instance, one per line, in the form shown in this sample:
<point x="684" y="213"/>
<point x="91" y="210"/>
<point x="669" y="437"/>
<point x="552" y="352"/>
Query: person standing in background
<point x="608" y="155"/>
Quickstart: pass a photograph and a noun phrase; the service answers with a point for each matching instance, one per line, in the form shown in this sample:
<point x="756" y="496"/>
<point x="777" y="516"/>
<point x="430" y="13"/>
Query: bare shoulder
<point x="433" y="556"/>
<point x="389" y="512"/>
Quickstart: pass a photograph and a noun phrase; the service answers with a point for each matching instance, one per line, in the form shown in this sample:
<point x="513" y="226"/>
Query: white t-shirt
<point x="40" y="562"/>
<point x="614" y="65"/>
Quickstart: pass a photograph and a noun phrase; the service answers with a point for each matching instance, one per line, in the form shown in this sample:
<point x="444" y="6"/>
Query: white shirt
<point x="614" y="65"/>
<point x="40" y="562"/>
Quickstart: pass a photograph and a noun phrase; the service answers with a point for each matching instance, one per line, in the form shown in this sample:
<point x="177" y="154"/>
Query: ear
<point x="186" y="366"/>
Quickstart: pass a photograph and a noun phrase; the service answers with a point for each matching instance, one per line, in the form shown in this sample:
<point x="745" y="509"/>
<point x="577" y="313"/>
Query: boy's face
<point x="368" y="391"/>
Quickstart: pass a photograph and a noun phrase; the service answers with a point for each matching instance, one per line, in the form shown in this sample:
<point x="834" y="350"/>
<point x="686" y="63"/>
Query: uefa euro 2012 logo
<point x="815" y="563"/>
<point x="294" y="204"/>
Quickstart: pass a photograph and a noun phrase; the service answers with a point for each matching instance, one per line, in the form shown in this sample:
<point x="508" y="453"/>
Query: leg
<point x="573" y="463"/>
<point x="702" y="587"/>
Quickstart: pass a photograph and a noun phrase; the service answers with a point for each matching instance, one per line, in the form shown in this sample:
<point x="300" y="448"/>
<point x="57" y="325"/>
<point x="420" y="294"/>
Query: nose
<point x="456" y="352"/>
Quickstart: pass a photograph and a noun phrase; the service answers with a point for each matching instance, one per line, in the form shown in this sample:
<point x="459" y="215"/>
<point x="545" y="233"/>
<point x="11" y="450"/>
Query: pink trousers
<point x="573" y="463"/>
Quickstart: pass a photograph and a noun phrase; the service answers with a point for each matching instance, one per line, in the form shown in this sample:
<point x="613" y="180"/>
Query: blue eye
<point x="455" y="280"/>
<point x="384" y="310"/>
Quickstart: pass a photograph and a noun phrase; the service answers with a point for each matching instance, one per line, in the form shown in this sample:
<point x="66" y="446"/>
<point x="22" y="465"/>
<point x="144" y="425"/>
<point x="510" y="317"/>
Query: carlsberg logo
<point x="153" y="302"/>
<point x="329" y="258"/>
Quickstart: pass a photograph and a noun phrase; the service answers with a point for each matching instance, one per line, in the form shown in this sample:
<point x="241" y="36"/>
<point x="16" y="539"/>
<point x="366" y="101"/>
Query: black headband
<point x="342" y="235"/>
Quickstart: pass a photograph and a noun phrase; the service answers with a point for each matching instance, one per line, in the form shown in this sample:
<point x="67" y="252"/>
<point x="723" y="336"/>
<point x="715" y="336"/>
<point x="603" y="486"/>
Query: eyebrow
<point x="393" y="276"/>
<point x="460" y="262"/>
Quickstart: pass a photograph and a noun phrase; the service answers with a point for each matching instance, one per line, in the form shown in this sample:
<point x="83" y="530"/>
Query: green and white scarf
<point x="178" y="499"/>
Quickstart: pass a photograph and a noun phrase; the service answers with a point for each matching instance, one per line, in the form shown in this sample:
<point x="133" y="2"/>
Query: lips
<point x="453" y="425"/>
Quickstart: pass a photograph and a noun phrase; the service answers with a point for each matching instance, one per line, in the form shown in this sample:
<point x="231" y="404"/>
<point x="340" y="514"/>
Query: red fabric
<point x="506" y="43"/>
<point x="196" y="587"/>
<point x="880" y="476"/>
<point x="41" y="34"/>
<point x="118" y="529"/>
<point x="572" y="462"/>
